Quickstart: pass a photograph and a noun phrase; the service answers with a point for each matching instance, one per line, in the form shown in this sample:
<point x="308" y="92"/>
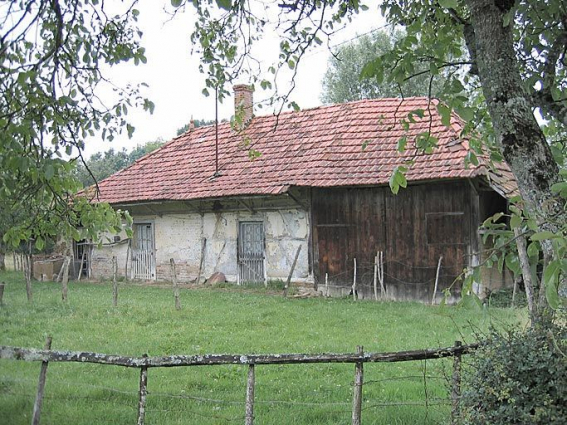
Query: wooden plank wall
<point x="413" y="228"/>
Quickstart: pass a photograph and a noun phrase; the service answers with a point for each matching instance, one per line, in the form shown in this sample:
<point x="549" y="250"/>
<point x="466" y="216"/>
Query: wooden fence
<point x="251" y="360"/>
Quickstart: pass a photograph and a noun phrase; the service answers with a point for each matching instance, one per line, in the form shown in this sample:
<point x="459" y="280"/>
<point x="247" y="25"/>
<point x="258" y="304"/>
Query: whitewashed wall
<point x="180" y="235"/>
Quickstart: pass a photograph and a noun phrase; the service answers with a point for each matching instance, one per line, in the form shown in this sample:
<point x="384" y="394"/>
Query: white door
<point x="143" y="252"/>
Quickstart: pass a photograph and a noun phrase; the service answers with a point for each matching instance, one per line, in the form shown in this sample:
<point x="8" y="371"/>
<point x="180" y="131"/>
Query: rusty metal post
<point x="357" y="389"/>
<point x="40" y="387"/>
<point x="250" y="396"/>
<point x="456" y="385"/>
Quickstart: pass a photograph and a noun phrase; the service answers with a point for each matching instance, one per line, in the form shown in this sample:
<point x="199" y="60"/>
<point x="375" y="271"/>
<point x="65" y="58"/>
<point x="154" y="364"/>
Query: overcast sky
<point x="175" y="83"/>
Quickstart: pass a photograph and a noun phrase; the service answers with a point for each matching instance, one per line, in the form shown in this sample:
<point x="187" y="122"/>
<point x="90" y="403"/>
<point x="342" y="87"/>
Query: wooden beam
<point x="193" y="208"/>
<point x="297" y="201"/>
<point x="248" y="207"/>
<point x="153" y="211"/>
<point x="30" y="354"/>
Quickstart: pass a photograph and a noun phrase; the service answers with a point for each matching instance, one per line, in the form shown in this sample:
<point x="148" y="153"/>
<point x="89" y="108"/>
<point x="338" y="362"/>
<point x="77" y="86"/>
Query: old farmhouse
<point x="243" y="202"/>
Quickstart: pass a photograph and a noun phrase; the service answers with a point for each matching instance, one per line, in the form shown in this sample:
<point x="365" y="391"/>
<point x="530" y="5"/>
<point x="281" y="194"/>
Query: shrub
<point x="518" y="377"/>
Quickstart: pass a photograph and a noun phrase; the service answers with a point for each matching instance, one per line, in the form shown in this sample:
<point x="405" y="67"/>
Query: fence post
<point x="354" y="282"/>
<point x="375" y="281"/>
<point x="357" y="389"/>
<point x="40" y="387"/>
<point x="288" y="281"/>
<point x="2" y="293"/>
<point x="250" y="395"/>
<point x="436" y="280"/>
<point x="65" y="279"/>
<point x="27" y="267"/>
<point x="174" y="283"/>
<point x="114" y="282"/>
<point x="456" y="387"/>
<point x="143" y="393"/>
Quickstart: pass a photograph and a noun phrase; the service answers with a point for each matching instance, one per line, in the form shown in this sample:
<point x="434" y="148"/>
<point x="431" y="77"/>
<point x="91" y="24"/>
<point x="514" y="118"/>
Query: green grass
<point x="225" y="320"/>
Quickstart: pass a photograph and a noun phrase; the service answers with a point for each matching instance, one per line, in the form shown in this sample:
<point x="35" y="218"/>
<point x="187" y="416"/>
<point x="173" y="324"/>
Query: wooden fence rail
<point x="144" y="363"/>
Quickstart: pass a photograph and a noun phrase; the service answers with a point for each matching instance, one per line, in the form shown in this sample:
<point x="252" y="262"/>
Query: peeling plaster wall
<point x="101" y="258"/>
<point x="180" y="236"/>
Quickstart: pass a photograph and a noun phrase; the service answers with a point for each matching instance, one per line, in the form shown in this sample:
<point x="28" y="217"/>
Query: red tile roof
<point x="319" y="147"/>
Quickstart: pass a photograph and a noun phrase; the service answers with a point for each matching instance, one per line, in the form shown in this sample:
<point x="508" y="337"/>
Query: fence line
<point x="144" y="363"/>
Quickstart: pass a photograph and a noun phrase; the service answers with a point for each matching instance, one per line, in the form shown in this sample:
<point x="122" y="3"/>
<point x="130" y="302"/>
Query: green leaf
<point x="470" y="302"/>
<point x="540" y="236"/>
<point x="176" y="3"/>
<point x="466" y="113"/>
<point x="445" y="113"/>
<point x="224" y="4"/>
<point x="551" y="283"/>
<point x="402" y="142"/>
<point x="49" y="171"/>
<point x="515" y="221"/>
<point x="449" y="4"/>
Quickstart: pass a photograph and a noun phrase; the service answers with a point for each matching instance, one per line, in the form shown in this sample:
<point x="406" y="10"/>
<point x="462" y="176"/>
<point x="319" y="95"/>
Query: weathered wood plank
<point x="30" y="354"/>
<point x="357" y="390"/>
<point x="249" y="418"/>
<point x="36" y="415"/>
<point x="142" y="395"/>
<point x="456" y="386"/>
<point x="288" y="282"/>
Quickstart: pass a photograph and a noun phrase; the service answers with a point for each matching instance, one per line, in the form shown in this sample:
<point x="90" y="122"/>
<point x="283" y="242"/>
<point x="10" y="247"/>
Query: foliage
<point x="518" y="377"/>
<point x="502" y="298"/>
<point x="231" y="320"/>
<point x="343" y="82"/>
<point x="503" y="231"/>
<point x="52" y="57"/>
<point x="101" y="165"/>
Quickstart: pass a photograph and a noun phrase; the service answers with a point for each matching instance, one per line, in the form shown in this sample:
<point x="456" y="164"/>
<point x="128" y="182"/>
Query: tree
<point x="52" y="57"/>
<point x="509" y="54"/>
<point x="101" y="165"/>
<point x="343" y="83"/>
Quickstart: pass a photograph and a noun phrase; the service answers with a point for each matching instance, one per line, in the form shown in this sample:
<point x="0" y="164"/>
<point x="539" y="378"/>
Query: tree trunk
<point x="517" y="132"/>
<point x="526" y="274"/>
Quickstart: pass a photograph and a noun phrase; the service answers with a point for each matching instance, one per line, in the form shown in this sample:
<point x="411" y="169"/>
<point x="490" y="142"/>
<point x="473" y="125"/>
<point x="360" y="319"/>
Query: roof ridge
<point x="314" y="147"/>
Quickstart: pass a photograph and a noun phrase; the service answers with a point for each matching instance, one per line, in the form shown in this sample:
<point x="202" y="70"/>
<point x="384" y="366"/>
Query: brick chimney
<point x="244" y="102"/>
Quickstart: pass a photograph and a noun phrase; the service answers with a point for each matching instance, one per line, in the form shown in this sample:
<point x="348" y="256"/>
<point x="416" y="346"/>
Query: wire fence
<point x="259" y="394"/>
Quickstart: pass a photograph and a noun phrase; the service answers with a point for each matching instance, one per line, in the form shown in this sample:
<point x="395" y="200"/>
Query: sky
<point x="175" y="83"/>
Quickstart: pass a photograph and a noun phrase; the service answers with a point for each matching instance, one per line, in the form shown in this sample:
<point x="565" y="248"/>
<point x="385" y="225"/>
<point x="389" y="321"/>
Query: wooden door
<point x="143" y="252"/>
<point x="251" y="254"/>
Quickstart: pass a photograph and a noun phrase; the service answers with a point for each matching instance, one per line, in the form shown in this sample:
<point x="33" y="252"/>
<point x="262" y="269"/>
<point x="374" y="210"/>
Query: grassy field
<point x="222" y="320"/>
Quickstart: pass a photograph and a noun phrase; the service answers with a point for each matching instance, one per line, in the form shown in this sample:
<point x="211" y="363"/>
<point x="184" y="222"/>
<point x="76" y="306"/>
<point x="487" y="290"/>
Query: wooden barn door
<point x="143" y="253"/>
<point x="251" y="252"/>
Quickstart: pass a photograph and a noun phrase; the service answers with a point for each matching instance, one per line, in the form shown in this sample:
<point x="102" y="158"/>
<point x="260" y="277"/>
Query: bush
<point x="518" y="377"/>
<point x="503" y="298"/>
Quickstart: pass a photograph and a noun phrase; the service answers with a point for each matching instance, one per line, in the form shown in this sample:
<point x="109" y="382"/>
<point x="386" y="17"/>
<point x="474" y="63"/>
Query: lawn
<point x="226" y="320"/>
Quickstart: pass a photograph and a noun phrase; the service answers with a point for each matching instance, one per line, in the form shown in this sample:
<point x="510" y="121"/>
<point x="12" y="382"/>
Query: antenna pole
<point x="216" y="131"/>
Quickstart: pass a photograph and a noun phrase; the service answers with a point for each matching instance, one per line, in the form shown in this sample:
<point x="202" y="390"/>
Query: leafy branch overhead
<point x="53" y="57"/>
